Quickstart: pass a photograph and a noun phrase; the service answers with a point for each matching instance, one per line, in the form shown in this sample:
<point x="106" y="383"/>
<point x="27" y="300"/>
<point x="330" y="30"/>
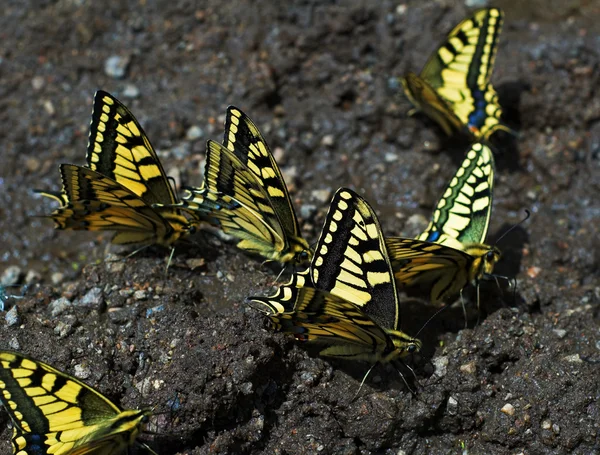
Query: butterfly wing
<point x="119" y="149"/>
<point x="243" y="138"/>
<point x="100" y="203"/>
<point x="239" y="203"/>
<point x="55" y="413"/>
<point x="445" y="270"/>
<point x="463" y="213"/>
<point x="454" y="87"/>
<point x="320" y="317"/>
<point x="351" y="260"/>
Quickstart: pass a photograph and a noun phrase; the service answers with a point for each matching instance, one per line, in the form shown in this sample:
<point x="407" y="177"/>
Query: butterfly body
<point x="454" y="88"/>
<point x="54" y="413"/>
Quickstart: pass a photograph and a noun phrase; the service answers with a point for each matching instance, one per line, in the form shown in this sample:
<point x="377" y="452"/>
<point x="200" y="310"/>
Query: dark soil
<point x="321" y="81"/>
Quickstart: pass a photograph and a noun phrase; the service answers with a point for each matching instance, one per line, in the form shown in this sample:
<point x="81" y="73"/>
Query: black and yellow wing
<point x="244" y="192"/>
<point x="351" y="259"/>
<point x="450" y="253"/>
<point x="119" y="149"/>
<point x="462" y="215"/>
<point x="98" y="203"/>
<point x="454" y="88"/>
<point x="54" y="413"/>
<point x="347" y="300"/>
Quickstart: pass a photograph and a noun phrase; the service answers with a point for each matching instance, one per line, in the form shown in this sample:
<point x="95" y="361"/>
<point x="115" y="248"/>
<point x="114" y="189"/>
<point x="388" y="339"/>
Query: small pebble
<point x="131" y="91"/>
<point x="57" y="278"/>
<point x="93" y="298"/>
<point x="415" y="223"/>
<point x="193" y="133"/>
<point x="441" y="366"/>
<point x="37" y="83"/>
<point x="49" y="107"/>
<point x="32" y="276"/>
<point x="307" y="211"/>
<point x="140" y="294"/>
<point x="560" y="333"/>
<point x="156" y="309"/>
<point x="468" y="368"/>
<point x="476" y="3"/>
<point x="116" y="66"/>
<point x="328" y="140"/>
<point x="12" y="317"/>
<point x="195" y="263"/>
<point x="391" y="157"/>
<point x="115" y="267"/>
<point x="126" y="292"/>
<point x="182" y="150"/>
<point x="322" y="196"/>
<point x="546" y="425"/>
<point x="452" y="405"/>
<point x="575" y="358"/>
<point x="59" y="306"/>
<point x="82" y="371"/>
<point x="14" y="344"/>
<point x="11" y="275"/>
<point x="63" y="329"/>
<point x="555" y="428"/>
<point x="508" y="409"/>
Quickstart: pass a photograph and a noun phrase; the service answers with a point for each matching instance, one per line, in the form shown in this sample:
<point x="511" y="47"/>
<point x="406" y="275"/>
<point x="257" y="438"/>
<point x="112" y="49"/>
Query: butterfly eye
<point x="412" y="348"/>
<point x="490" y="256"/>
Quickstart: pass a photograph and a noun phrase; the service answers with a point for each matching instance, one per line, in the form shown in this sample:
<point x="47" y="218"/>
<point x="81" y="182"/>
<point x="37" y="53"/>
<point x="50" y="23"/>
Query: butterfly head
<point x="485" y="259"/>
<point x="404" y="345"/>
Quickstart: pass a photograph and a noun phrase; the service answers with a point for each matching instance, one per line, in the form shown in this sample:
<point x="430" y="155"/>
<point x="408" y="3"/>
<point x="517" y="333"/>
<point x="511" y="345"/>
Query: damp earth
<point x="321" y="80"/>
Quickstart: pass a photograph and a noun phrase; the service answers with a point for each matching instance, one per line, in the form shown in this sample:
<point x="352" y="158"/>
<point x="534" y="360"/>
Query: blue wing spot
<point x="478" y="116"/>
<point x="433" y="236"/>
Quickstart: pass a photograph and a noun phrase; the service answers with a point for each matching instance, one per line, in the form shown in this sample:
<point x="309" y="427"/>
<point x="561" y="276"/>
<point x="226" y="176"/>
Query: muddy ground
<point x="321" y="81"/>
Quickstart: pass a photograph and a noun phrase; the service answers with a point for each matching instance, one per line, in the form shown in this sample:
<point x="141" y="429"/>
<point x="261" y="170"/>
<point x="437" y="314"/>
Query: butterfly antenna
<point x="136" y="251"/>
<point x="512" y="228"/>
<point x="146" y="447"/>
<point x="281" y="273"/>
<point x="431" y="319"/>
<point x="363" y="381"/>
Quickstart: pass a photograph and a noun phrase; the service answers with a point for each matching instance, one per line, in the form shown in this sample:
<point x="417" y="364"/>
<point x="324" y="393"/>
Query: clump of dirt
<point x="321" y="81"/>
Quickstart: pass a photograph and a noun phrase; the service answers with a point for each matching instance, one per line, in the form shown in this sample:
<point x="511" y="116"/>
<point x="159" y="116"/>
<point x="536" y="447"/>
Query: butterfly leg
<point x="363" y="381"/>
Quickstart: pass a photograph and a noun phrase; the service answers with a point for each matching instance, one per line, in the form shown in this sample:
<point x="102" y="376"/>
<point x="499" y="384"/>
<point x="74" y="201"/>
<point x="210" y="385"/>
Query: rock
<point x="57" y="278"/>
<point x="14" y="344"/>
<point x="115" y="267"/>
<point x="194" y="132"/>
<point x="328" y="140"/>
<point x="82" y="371"/>
<point x="468" y="368"/>
<point x="115" y="66"/>
<point x="390" y="157"/>
<point x="12" y="317"/>
<point x="415" y="223"/>
<point x="322" y="196"/>
<point x="126" y="292"/>
<point x="140" y="294"/>
<point x="307" y="211"/>
<point x="63" y="329"/>
<point x="59" y="306"/>
<point x="37" y="83"/>
<point x="195" y="263"/>
<point x="157" y="309"/>
<point x="441" y="366"/>
<point x="508" y="409"/>
<point x="93" y="298"/>
<point x="452" y="406"/>
<point x="33" y="276"/>
<point x="131" y="91"/>
<point x="11" y="276"/>
<point x="560" y="333"/>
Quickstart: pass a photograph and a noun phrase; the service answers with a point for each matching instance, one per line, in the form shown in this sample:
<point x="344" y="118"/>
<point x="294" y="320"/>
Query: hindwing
<point x="97" y="202"/>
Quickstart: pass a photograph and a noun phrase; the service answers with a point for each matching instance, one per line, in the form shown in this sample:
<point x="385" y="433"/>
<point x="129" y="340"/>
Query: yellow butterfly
<point x="458" y="228"/>
<point x="454" y="88"/>
<point x="123" y="180"/>
<point x="54" y="413"/>
<point x="347" y="300"/>
<point x="245" y="195"/>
